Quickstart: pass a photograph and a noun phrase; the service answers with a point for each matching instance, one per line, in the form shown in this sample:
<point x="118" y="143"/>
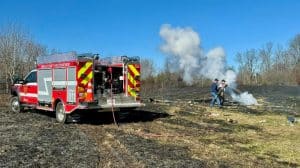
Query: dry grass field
<point x="176" y="129"/>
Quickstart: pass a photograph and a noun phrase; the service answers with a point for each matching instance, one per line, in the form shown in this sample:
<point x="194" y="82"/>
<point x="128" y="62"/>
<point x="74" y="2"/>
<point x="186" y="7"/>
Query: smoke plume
<point x="244" y="98"/>
<point x="184" y="45"/>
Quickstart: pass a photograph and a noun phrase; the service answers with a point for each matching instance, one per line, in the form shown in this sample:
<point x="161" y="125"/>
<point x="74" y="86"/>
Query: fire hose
<point x="112" y="96"/>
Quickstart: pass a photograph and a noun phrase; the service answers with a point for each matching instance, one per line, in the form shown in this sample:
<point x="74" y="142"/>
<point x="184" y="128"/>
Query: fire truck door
<point x="28" y="91"/>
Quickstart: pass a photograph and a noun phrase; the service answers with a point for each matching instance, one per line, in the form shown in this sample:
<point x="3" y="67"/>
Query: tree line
<point x="269" y="65"/>
<point x="18" y="52"/>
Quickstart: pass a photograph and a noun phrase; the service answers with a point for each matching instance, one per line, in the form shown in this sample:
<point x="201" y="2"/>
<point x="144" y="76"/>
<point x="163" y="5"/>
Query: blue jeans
<point x="214" y="99"/>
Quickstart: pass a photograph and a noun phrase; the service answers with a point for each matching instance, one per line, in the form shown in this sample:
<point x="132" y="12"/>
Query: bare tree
<point x="148" y="69"/>
<point x="17" y="52"/>
<point x="294" y="50"/>
<point x="278" y="59"/>
<point x="242" y="76"/>
<point x="32" y="51"/>
<point x="265" y="55"/>
<point x="265" y="63"/>
<point x="248" y="66"/>
<point x="11" y="49"/>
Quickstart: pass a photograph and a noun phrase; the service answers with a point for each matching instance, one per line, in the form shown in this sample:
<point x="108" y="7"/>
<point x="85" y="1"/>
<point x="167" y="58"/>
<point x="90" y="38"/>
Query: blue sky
<point x="131" y="27"/>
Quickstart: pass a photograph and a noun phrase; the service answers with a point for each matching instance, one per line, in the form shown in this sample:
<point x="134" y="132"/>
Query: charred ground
<point x="175" y="129"/>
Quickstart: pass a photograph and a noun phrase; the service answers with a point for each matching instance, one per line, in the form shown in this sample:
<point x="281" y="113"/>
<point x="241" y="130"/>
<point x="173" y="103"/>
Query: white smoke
<point x="230" y="77"/>
<point x="214" y="65"/>
<point x="244" y="98"/>
<point x="184" y="45"/>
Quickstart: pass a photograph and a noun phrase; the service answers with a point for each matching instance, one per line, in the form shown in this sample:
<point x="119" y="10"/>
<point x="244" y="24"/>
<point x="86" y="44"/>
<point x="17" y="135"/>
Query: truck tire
<point x="61" y="116"/>
<point x="15" y="105"/>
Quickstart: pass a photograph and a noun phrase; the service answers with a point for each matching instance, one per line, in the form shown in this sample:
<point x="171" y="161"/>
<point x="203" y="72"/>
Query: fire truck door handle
<point x="54" y="88"/>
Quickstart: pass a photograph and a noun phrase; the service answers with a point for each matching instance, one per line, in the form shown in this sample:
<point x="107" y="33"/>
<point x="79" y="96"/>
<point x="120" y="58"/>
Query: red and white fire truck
<point x="67" y="82"/>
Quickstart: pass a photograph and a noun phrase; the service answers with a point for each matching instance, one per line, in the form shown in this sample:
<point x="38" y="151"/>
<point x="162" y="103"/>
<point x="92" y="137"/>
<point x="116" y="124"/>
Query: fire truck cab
<point x="67" y="82"/>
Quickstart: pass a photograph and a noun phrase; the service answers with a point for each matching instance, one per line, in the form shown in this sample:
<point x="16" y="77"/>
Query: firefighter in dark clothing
<point x="214" y="93"/>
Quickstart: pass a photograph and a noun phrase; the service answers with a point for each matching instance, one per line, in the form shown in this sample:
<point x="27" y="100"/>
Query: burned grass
<point x="236" y="136"/>
<point x="176" y="129"/>
<point x="4" y="99"/>
<point x="153" y="153"/>
<point x="35" y="140"/>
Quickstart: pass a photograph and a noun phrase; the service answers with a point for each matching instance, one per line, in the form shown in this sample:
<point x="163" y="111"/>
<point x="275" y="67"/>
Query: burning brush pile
<point x="183" y="47"/>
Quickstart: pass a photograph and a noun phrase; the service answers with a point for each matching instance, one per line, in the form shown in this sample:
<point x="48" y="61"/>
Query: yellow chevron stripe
<point x="87" y="78"/>
<point x="134" y="70"/>
<point x="84" y="68"/>
<point x="131" y="91"/>
<point x="131" y="79"/>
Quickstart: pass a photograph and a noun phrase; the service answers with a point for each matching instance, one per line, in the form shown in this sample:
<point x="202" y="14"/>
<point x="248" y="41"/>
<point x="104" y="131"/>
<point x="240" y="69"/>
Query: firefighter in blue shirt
<point x="214" y="93"/>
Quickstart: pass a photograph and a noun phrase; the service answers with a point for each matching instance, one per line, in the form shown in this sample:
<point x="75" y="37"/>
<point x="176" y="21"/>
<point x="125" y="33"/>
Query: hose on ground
<point x="112" y="97"/>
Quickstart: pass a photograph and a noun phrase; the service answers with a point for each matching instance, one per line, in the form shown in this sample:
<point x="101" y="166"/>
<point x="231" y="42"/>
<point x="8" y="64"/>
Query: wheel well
<point x="14" y="93"/>
<point x="55" y="103"/>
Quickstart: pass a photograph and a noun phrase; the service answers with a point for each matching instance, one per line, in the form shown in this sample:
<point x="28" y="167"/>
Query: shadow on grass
<point x="129" y="116"/>
<point x="97" y="118"/>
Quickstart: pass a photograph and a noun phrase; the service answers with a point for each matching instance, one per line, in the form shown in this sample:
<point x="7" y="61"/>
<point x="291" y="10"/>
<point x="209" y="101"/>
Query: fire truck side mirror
<point x="21" y="81"/>
<point x="96" y="56"/>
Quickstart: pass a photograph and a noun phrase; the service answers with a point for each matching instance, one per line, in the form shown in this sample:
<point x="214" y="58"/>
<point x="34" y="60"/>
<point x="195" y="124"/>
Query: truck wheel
<point x="15" y="105"/>
<point x="61" y="116"/>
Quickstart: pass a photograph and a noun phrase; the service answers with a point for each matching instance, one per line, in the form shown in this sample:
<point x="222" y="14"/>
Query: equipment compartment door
<point x="71" y="85"/>
<point x="45" y="85"/>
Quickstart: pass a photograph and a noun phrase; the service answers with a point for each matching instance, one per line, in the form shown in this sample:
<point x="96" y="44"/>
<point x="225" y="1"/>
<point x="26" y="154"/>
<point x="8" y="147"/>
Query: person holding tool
<point x="221" y="91"/>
